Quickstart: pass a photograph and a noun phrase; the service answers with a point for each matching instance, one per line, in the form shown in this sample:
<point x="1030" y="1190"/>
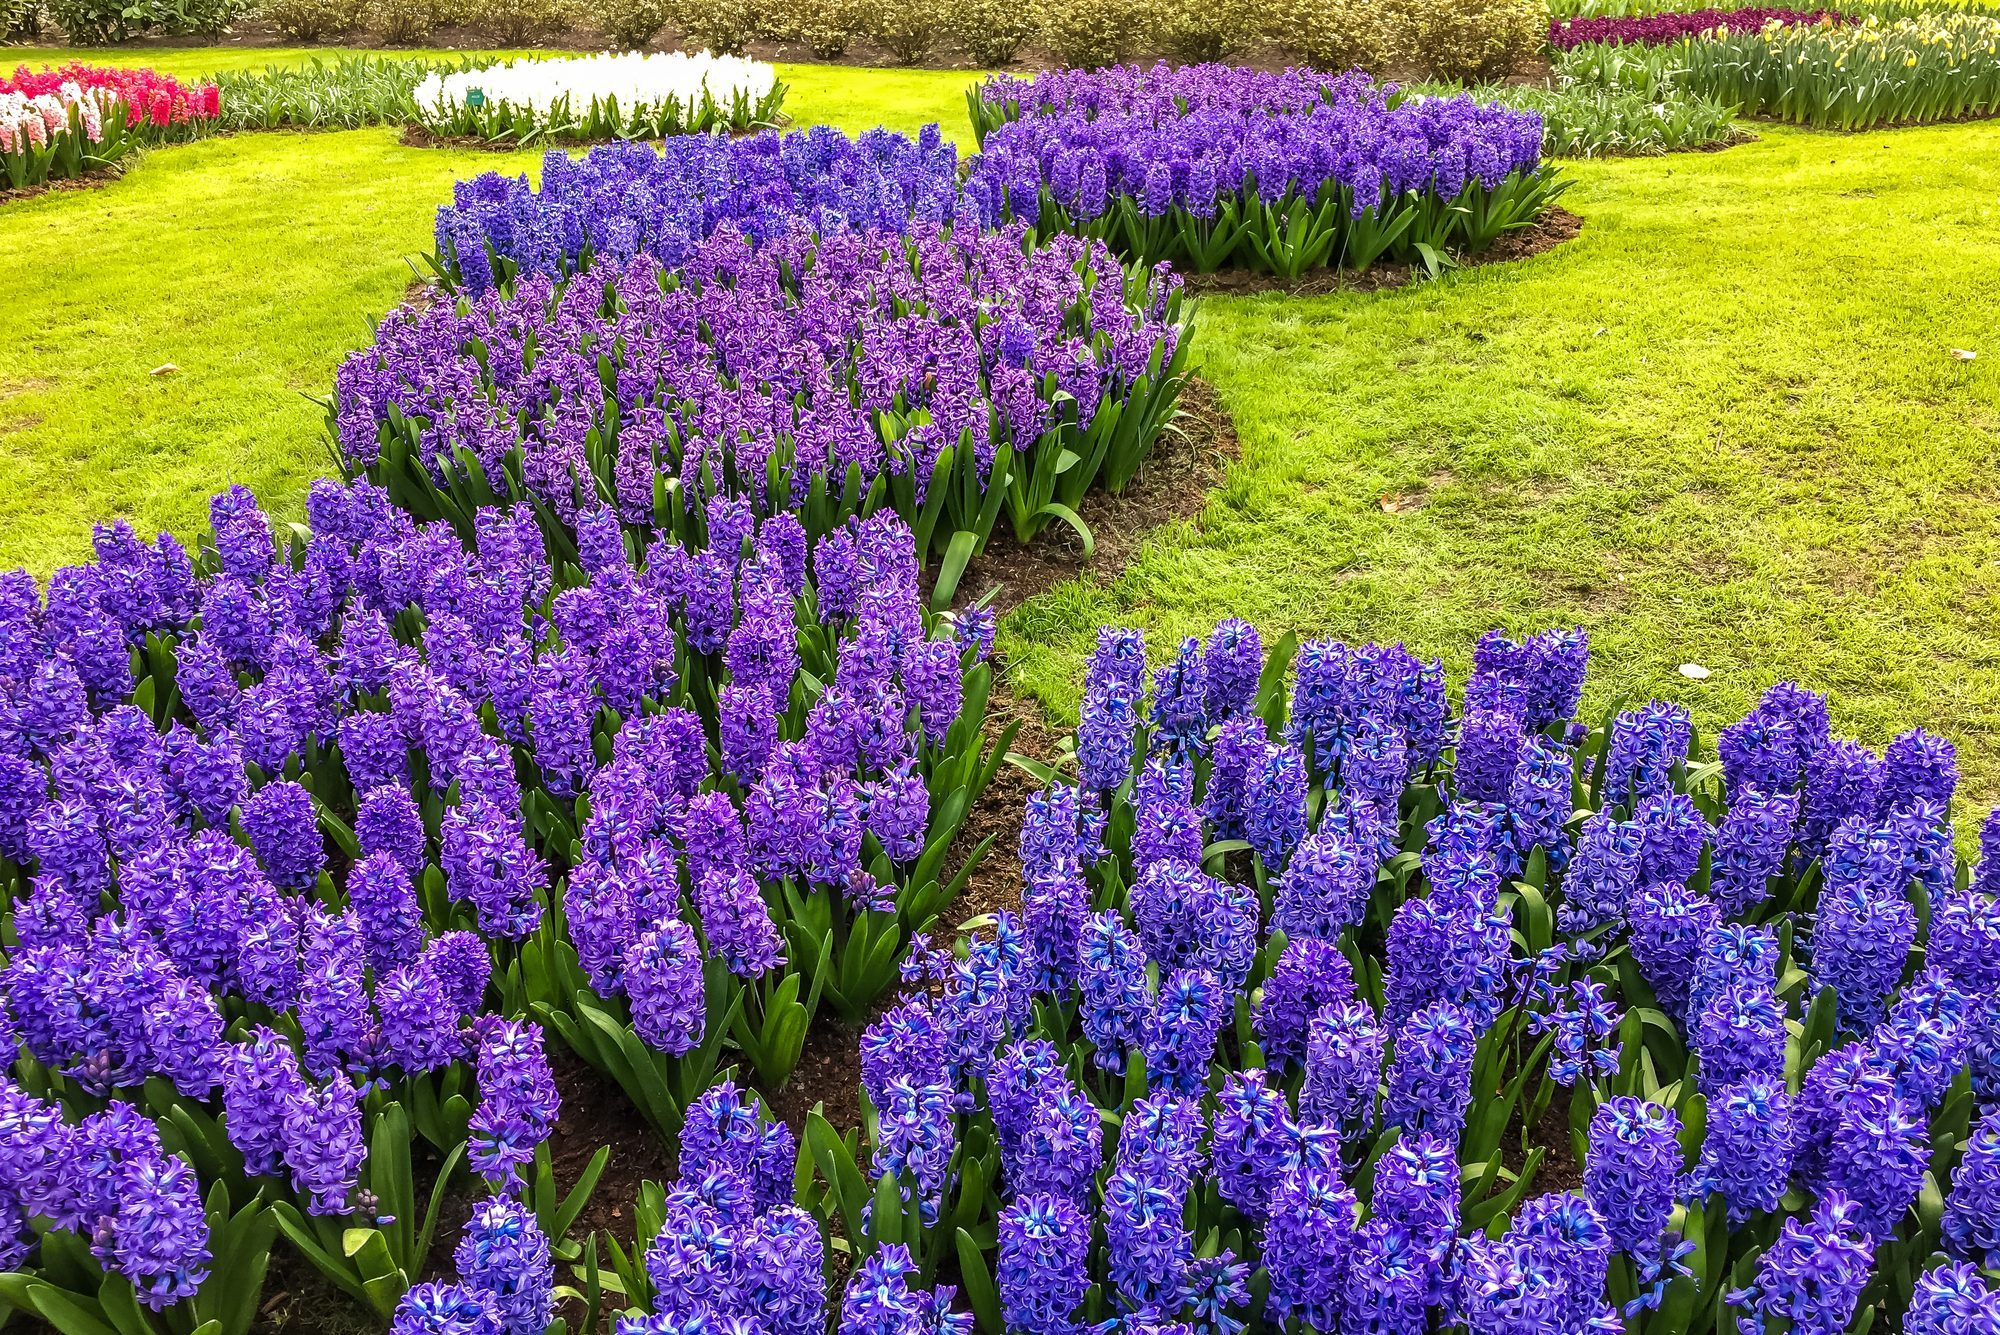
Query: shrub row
<point x="1453" y="39"/>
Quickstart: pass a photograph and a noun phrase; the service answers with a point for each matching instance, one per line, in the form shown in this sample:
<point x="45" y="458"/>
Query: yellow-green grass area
<point x="1731" y="426"/>
<point x="250" y="264"/>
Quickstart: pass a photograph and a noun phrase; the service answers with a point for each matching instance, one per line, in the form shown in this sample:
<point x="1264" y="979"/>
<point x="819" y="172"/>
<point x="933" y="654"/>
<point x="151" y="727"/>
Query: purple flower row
<point x="623" y="200"/>
<point x="789" y="365"/>
<point x="429" y="709"/>
<point x="1659" y="29"/>
<point x="1600" y="823"/>
<point x="1149" y="136"/>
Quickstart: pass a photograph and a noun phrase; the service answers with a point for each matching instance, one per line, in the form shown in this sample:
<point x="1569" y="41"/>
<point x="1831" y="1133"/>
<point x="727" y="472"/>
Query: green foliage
<point x="97" y="22"/>
<point x="990" y="31"/>
<point x="309" y="20"/>
<point x="720" y="26"/>
<point x="631" y="25"/>
<point x="1932" y="67"/>
<point x="1086" y="33"/>
<point x="1196" y="30"/>
<point x="824" y="27"/>
<point x="1335" y="34"/>
<point x="20" y="18"/>
<point x="516" y="22"/>
<point x="402" y="22"/>
<point x="344" y="92"/>
<point x="910" y="29"/>
<point x="1469" y="39"/>
<point x="1582" y="120"/>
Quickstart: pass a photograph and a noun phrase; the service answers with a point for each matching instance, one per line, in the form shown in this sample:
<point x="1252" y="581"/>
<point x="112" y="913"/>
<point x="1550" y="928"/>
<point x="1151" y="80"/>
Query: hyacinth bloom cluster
<point x="1212" y="166"/>
<point x="106" y="1178"/>
<point x="1655" y="29"/>
<point x="626" y="95"/>
<point x="156" y="104"/>
<point x="943" y="360"/>
<point x="1334" y="1113"/>
<point x="627" y="199"/>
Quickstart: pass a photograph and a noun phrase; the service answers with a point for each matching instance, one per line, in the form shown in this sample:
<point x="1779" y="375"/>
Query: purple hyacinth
<point x="1972" y="1210"/>
<point x="1746" y="1153"/>
<point x="663" y="980"/>
<point x="1114" y="999"/>
<point x="438" y="1308"/>
<point x="504" y="1256"/>
<point x="1310" y="974"/>
<point x="517" y="1101"/>
<point x="1632" y="1169"/>
<point x="1182" y="1030"/>
<point x="1953" y="1300"/>
<point x="1308" y="1245"/>
<point x="1231" y="667"/>
<point x="1430" y="1076"/>
<point x="1811" y="1276"/>
<point x="1042" y="1271"/>
<point x="1343" y="1067"/>
<point x="284" y="829"/>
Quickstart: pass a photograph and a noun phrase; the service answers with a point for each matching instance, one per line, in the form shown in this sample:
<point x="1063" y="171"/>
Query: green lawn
<point x="252" y="263"/>
<point x="1725" y="426"/>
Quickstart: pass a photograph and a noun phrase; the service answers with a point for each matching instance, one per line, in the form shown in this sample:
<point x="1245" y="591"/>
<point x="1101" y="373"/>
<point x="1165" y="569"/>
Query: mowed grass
<point x="1725" y="427"/>
<point x="251" y="264"/>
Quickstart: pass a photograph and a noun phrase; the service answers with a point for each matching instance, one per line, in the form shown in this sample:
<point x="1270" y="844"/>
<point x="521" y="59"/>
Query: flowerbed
<point x="297" y="833"/>
<point x="159" y="106"/>
<point x="945" y="375"/>
<point x="628" y="96"/>
<point x="66" y="123"/>
<point x="1212" y="167"/>
<point x="628" y="199"/>
<point x="1930" y="67"/>
<point x="1654" y="29"/>
<point x="1297" y="965"/>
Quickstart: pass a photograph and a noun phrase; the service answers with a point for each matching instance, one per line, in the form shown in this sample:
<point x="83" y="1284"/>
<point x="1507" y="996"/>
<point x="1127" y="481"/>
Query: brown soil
<point x="1554" y="227"/>
<point x="94" y="181"/>
<point x="1559" y="1170"/>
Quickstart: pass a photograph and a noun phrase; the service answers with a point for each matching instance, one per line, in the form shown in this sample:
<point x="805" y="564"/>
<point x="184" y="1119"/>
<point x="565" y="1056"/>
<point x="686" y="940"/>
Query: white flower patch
<point x="669" y="90"/>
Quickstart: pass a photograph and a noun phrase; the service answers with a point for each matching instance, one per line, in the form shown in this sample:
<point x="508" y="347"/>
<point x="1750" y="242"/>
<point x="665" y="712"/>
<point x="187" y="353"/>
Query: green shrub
<point x="97" y="22"/>
<point x="1086" y="33"/>
<point x="1335" y="34"/>
<point x="629" y="25"/>
<point x="991" y="31"/>
<point x="20" y="18"/>
<point x="908" y="28"/>
<point x="517" y="22"/>
<point x="824" y="27"/>
<point x="201" y="18"/>
<point x="721" y="26"/>
<point x="402" y="22"/>
<point x="310" y="20"/>
<point x="1196" y="30"/>
<point x="1470" y="39"/>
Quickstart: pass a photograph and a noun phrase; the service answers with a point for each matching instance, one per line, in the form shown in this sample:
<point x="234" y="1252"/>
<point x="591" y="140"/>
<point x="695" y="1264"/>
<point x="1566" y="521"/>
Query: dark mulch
<point x="94" y="181"/>
<point x="1553" y="228"/>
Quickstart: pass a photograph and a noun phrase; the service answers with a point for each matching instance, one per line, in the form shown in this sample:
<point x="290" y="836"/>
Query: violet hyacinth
<point x="1041" y="1272"/>
<point x="1310" y="974"/>
<point x="1811" y="1276"/>
<point x="1631" y="1170"/>
<point x="504" y="1255"/>
<point x="1308" y="1244"/>
<point x="1972" y="1210"/>
<point x="1429" y="1081"/>
<point x="1746" y="1153"/>
<point x="439" y="1308"/>
<point x="1953" y="1299"/>
<point x="518" y="1102"/>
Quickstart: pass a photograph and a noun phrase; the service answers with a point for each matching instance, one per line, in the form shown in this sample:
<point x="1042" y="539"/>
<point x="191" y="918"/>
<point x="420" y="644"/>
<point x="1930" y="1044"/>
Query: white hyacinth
<point x="636" y="80"/>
